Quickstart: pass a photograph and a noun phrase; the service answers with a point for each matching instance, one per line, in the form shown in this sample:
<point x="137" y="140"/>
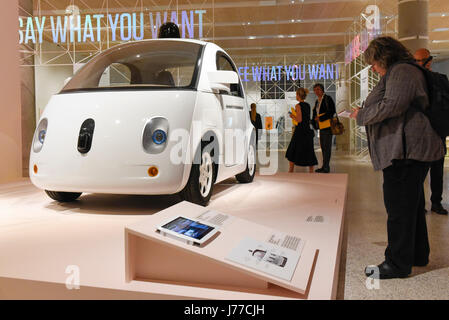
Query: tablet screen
<point x="188" y="228"/>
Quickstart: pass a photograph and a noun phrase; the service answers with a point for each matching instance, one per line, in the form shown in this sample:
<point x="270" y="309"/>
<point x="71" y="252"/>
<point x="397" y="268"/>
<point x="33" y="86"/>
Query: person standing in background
<point x="323" y="112"/>
<point x="256" y="120"/>
<point x="423" y="58"/>
<point x="300" y="151"/>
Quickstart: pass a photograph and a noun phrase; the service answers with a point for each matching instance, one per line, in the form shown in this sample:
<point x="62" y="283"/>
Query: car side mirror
<point x="221" y="79"/>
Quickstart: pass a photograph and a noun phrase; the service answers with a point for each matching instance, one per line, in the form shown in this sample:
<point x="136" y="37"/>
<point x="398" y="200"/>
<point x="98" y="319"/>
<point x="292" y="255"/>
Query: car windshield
<point x="162" y="64"/>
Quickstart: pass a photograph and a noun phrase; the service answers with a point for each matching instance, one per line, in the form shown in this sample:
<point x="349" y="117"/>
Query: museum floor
<point x="365" y="238"/>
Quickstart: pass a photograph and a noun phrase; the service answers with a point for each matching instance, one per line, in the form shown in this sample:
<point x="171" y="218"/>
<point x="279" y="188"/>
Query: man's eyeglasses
<point x="424" y="61"/>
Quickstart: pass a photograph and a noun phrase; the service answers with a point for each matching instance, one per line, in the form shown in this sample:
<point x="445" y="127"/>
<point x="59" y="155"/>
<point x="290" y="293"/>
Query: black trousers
<point x="326" y="146"/>
<point x="436" y="178"/>
<point x="436" y="181"/>
<point x="403" y="190"/>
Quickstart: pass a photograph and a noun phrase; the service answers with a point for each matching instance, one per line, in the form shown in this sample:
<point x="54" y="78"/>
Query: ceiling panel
<point x="322" y="23"/>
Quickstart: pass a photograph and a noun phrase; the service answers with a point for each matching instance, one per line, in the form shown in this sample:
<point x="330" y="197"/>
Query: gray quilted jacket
<point x="393" y="108"/>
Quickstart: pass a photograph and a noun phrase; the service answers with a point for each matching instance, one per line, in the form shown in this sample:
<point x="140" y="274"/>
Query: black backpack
<point x="438" y="90"/>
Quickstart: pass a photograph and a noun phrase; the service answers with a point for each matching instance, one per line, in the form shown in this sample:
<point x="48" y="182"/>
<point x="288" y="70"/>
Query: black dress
<point x="301" y="151"/>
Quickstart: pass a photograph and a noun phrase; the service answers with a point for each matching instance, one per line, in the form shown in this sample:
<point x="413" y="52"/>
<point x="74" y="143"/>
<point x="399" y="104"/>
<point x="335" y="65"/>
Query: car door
<point x="234" y="114"/>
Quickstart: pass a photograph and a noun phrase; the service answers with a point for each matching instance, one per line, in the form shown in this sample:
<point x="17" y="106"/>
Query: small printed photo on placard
<point x="266" y="257"/>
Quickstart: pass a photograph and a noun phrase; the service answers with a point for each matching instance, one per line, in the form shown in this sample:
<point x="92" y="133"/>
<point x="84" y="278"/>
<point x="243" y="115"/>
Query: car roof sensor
<point x="169" y="30"/>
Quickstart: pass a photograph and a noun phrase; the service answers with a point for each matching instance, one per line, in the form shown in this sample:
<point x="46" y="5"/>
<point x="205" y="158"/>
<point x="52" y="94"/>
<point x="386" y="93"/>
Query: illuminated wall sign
<point x="360" y="43"/>
<point x="294" y="72"/>
<point x="123" y="26"/>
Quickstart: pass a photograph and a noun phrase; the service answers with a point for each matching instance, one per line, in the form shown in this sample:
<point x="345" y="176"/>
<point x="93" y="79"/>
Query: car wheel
<point x="247" y="176"/>
<point x="63" y="196"/>
<point x="201" y="181"/>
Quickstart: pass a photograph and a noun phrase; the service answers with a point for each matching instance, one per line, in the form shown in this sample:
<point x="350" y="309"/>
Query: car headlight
<point x="159" y="136"/>
<point x="155" y="135"/>
<point x="39" y="136"/>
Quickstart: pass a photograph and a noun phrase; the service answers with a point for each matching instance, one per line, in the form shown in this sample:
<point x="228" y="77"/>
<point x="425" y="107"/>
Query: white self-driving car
<point x="166" y="116"/>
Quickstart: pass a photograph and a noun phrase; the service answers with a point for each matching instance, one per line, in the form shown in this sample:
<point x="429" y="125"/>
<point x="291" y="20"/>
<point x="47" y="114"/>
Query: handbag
<point x="324" y="124"/>
<point x="337" y="127"/>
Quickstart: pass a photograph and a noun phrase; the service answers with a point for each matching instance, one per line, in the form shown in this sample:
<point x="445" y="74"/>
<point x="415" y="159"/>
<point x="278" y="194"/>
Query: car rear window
<point x="160" y="64"/>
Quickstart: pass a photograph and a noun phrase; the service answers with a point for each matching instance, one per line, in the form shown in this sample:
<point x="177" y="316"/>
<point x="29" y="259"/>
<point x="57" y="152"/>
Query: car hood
<point x="119" y="116"/>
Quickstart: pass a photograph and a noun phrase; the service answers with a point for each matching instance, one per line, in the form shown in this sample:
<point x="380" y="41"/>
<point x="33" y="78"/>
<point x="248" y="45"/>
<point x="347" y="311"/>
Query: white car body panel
<point x="117" y="162"/>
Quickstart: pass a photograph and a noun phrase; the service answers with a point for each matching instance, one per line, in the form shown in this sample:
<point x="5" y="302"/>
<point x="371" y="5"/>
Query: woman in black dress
<point x="301" y="151"/>
<point x="256" y="120"/>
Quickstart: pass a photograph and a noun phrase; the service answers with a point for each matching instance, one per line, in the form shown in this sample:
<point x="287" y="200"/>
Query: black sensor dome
<point x="169" y="30"/>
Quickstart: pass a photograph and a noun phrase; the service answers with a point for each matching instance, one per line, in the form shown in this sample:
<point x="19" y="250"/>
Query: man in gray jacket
<point x="402" y="144"/>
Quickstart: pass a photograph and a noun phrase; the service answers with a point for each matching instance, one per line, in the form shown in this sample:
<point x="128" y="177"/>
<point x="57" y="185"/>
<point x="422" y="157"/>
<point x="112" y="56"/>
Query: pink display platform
<point x="40" y="239"/>
<point x="153" y="257"/>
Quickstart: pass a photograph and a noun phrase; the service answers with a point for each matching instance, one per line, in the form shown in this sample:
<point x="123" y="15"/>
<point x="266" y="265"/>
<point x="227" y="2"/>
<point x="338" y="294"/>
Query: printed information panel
<point x="266" y="257"/>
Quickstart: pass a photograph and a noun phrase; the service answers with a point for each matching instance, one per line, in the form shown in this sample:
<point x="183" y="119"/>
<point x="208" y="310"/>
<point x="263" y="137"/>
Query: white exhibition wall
<point x="49" y="81"/>
<point x="278" y="108"/>
<point x="10" y="120"/>
<point x="50" y="74"/>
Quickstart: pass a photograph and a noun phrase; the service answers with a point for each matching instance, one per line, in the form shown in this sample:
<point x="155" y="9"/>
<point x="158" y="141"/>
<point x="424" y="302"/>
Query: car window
<point x="223" y="63"/>
<point x="182" y="75"/>
<point x="116" y="75"/>
<point x="162" y="64"/>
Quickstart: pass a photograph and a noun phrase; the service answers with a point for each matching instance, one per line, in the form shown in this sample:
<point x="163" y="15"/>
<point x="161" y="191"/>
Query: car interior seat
<point x="165" y="78"/>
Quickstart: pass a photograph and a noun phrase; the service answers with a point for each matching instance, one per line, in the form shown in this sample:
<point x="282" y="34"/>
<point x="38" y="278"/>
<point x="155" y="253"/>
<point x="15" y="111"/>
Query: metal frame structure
<point x="68" y="53"/>
<point x="358" y="140"/>
<point x="279" y="137"/>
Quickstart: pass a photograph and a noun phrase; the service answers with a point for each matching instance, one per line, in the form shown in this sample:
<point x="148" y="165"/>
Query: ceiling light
<point x="440" y="29"/>
<point x="251" y="37"/>
<point x="267" y="3"/>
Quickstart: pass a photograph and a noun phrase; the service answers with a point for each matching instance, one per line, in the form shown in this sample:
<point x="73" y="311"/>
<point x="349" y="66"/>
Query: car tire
<point x="63" y="196"/>
<point x="247" y="176"/>
<point x="201" y="180"/>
